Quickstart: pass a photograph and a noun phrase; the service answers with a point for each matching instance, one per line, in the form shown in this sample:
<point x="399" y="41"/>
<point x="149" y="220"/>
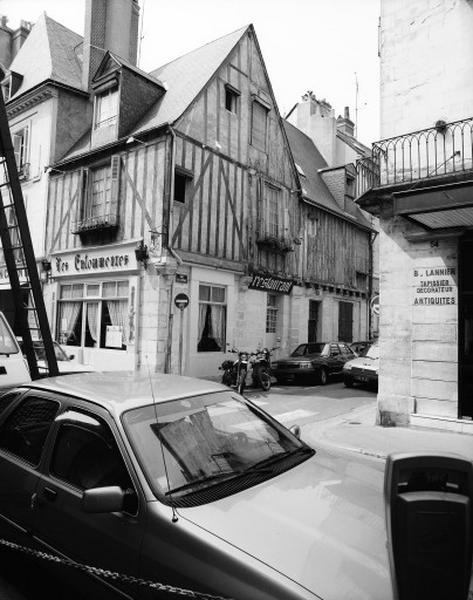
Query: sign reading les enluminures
<point x="434" y="286"/>
<point x="269" y="283"/>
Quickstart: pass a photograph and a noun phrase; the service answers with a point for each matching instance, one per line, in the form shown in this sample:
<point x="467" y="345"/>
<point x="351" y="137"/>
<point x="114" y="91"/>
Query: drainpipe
<point x="168" y="354"/>
<point x="370" y="282"/>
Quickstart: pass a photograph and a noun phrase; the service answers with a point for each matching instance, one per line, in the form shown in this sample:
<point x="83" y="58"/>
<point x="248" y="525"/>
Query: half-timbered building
<point x="186" y="187"/>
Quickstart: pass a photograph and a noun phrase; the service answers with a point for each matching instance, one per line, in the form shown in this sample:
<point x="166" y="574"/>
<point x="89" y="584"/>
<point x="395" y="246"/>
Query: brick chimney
<point x="11" y="40"/>
<point x="345" y="124"/>
<point x="109" y="25"/>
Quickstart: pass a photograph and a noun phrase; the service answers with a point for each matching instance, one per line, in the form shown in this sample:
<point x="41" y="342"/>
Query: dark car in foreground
<point x="363" y="369"/>
<point x="187" y="483"/>
<point x="315" y="362"/>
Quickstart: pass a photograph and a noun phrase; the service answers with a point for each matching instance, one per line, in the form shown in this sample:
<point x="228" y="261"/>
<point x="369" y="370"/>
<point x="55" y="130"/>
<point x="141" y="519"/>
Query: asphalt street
<point x="22" y="579"/>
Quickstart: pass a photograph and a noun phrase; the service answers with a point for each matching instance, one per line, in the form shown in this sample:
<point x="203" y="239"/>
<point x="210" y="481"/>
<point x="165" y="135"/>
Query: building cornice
<point x="43" y="91"/>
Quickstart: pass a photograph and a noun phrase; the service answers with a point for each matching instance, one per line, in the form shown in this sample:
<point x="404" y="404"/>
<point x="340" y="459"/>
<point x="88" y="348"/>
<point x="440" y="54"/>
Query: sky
<point x="327" y="46"/>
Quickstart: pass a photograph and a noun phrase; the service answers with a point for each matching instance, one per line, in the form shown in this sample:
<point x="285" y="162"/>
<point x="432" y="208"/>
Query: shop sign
<point x="94" y="261"/>
<point x="435" y="286"/>
<point x="374" y="305"/>
<point x="270" y="283"/>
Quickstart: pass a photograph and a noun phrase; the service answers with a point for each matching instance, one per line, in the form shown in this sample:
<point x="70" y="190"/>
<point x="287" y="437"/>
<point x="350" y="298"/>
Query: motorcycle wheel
<point x="265" y="380"/>
<point x="241" y="383"/>
<point x="227" y="379"/>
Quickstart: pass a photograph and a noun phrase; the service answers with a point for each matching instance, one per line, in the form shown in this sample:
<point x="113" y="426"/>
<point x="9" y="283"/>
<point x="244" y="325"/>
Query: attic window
<point x="231" y="99"/>
<point x="259" y="125"/>
<point x="106" y="108"/>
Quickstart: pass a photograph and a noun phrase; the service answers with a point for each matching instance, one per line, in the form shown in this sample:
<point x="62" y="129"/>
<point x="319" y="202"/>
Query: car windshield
<point x="188" y="445"/>
<point x="304" y="349"/>
<point x="8" y="344"/>
<point x="373" y="351"/>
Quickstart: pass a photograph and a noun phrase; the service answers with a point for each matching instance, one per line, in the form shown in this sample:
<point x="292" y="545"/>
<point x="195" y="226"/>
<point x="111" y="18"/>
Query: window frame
<point x="72" y="414"/>
<point x="99" y="100"/>
<point x="212" y="302"/>
<point x="272" y="312"/>
<point x="85" y="298"/>
<point x="254" y="141"/>
<point x="23" y="133"/>
<point x="187" y="177"/>
<point x="232" y="94"/>
<point x="16" y="406"/>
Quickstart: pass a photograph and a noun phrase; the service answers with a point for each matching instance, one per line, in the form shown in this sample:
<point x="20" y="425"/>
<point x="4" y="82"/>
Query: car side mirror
<point x="103" y="499"/>
<point x="295" y="430"/>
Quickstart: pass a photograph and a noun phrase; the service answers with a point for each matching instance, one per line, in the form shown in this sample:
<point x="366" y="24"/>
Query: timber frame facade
<point x="209" y="204"/>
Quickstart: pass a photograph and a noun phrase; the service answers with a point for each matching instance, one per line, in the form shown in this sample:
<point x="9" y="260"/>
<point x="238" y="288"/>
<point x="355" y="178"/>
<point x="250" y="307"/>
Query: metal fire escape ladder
<point x="19" y="256"/>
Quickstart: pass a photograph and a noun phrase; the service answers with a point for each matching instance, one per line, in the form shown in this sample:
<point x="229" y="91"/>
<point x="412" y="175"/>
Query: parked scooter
<point x="261" y="365"/>
<point x="235" y="371"/>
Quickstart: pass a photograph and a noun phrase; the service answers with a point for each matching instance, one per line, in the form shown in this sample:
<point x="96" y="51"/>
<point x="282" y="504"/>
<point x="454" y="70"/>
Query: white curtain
<point x="92" y="310"/>
<point x="118" y="311"/>
<point x="202" y="318"/>
<point x="216" y="315"/>
<point x="69" y="315"/>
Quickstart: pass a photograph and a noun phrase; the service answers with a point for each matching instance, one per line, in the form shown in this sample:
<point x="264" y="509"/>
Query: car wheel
<point x="348" y="381"/>
<point x="323" y="377"/>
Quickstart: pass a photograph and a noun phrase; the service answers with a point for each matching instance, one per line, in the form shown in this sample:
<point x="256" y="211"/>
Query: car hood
<point x="321" y="524"/>
<point x="363" y="362"/>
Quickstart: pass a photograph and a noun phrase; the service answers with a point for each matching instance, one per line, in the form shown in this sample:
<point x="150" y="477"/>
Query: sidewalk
<point x="357" y="432"/>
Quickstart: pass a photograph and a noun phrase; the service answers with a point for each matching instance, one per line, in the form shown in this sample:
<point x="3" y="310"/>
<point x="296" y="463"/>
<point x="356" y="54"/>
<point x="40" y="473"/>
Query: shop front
<point x="96" y="298"/>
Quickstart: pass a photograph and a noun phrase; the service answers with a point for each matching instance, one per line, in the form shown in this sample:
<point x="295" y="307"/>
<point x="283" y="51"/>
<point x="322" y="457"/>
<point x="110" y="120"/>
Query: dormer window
<point x="106" y="108"/>
<point x="20" y="148"/>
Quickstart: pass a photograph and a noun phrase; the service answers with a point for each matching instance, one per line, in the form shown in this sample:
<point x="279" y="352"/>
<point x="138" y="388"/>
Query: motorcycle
<point x="234" y="371"/>
<point x="261" y="368"/>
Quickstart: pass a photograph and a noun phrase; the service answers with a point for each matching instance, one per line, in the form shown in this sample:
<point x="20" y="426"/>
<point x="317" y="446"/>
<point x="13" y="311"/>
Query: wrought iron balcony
<point x="443" y="150"/>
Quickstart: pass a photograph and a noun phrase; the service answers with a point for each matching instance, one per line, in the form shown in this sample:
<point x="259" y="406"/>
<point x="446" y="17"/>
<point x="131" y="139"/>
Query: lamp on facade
<point x="45" y="270"/>
<point x="133" y="139"/>
<point x="141" y="253"/>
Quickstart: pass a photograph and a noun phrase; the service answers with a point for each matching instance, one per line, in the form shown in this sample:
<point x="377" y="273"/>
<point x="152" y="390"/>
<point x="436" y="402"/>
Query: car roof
<point x="118" y="391"/>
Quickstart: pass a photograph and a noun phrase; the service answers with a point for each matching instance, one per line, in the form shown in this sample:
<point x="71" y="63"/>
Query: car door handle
<point x="49" y="494"/>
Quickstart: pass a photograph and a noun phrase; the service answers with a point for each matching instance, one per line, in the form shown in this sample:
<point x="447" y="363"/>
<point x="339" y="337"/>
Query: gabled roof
<point x="50" y="52"/>
<point x="185" y="77"/>
<point x="308" y="158"/>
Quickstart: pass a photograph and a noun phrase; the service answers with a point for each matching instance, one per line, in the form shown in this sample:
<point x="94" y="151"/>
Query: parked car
<point x="313" y="361"/>
<point x="185" y="482"/>
<point x="363" y="369"/>
<point x="13" y="366"/>
<point x="361" y="348"/>
<point x="67" y="363"/>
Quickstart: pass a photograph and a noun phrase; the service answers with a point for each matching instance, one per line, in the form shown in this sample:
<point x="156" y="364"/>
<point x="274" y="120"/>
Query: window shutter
<point x="115" y="183"/>
<point x="17" y="143"/>
<point x="84" y="193"/>
<point x="258" y="126"/>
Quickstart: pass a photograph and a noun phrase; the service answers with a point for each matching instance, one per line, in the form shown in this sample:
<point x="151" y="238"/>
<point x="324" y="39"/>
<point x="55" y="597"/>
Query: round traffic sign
<point x="181" y="301"/>
<point x="374" y="304"/>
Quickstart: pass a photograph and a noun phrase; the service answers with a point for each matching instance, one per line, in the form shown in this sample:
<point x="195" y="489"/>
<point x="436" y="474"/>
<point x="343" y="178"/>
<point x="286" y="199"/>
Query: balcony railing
<point x="442" y="150"/>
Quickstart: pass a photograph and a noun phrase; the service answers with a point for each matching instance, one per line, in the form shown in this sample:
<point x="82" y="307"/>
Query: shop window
<point x="20" y="140"/>
<point x="259" y="125"/>
<point x="94" y="315"/>
<point x="212" y="318"/>
<point x="99" y="202"/>
<point x="271" y="313"/>
<point x="231" y="99"/>
<point x="106" y="108"/>
<point x="345" y="321"/>
<point x="182" y="181"/>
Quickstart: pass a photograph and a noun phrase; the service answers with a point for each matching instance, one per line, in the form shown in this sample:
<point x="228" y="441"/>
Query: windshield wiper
<point x="262" y="465"/>
<point x="208" y="478"/>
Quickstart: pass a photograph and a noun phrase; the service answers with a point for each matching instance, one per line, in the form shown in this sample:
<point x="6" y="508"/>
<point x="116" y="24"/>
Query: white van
<point x="13" y="366"/>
